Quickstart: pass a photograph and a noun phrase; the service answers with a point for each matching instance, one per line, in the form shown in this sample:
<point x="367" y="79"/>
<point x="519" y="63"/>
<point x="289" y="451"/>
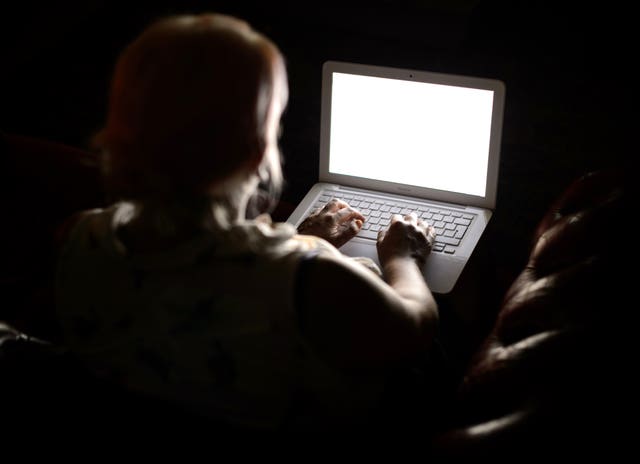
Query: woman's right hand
<point x="367" y="321"/>
<point x="406" y="237"/>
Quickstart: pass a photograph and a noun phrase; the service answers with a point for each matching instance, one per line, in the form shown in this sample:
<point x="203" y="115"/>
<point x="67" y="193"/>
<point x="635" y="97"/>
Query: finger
<point x="355" y="226"/>
<point x="334" y="205"/>
<point x="341" y="204"/>
<point x="315" y="211"/>
<point x="423" y="226"/>
<point x="395" y="218"/>
<point x="330" y="205"/>
<point x="431" y="234"/>
<point x="412" y="218"/>
<point x="348" y="213"/>
<point x="381" y="234"/>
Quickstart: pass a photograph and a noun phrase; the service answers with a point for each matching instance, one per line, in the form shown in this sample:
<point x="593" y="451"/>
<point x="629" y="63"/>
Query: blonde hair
<point x="188" y="107"/>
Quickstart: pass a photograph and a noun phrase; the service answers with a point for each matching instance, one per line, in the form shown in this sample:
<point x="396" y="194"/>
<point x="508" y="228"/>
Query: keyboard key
<point x="366" y="233"/>
<point x="447" y="240"/>
<point x="450" y="225"/>
<point x="460" y="230"/>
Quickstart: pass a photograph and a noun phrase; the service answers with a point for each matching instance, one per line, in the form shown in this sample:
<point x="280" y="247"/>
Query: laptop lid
<point x="409" y="132"/>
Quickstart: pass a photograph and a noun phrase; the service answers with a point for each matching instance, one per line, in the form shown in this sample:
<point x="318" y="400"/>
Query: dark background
<point x="567" y="70"/>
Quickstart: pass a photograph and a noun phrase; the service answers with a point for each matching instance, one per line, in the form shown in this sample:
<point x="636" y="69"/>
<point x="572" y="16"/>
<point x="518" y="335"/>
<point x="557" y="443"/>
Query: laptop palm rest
<point x="440" y="277"/>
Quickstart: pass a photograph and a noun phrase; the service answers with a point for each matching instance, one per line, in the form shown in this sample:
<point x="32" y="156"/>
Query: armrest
<point x="43" y="183"/>
<point x="545" y="380"/>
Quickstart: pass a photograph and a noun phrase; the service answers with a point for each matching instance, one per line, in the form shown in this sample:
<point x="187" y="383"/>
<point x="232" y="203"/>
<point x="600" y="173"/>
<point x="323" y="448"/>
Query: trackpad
<point x="441" y="271"/>
<point x="361" y="247"/>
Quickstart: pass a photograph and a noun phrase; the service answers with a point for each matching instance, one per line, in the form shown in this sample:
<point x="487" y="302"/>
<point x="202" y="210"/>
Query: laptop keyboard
<point x="450" y="225"/>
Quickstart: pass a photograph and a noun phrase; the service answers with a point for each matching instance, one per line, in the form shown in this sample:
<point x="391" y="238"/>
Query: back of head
<point x="188" y="106"/>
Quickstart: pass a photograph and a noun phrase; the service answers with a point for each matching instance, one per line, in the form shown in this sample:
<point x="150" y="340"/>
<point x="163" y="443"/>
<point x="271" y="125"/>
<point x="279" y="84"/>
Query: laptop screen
<point x="408" y="132"/>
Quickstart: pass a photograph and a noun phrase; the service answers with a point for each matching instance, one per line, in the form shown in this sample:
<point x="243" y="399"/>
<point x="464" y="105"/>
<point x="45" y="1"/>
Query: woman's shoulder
<point x="90" y="226"/>
<point x="96" y="217"/>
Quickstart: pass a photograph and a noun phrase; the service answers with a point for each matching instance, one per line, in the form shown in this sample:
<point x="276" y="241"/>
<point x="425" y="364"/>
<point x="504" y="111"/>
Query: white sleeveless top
<point x="210" y="323"/>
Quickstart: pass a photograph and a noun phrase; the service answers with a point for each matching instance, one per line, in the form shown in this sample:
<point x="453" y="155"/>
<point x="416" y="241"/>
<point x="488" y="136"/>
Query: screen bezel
<point x="499" y="90"/>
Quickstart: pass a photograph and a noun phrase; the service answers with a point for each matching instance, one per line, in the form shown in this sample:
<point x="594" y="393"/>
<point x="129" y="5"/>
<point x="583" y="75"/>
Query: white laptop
<point x="394" y="141"/>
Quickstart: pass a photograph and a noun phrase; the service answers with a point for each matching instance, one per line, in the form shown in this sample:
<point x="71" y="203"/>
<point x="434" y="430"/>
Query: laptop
<point x="394" y="141"/>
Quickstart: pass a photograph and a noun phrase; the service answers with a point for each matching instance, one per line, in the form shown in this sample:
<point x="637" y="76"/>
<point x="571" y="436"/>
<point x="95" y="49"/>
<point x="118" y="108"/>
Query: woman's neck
<point x="161" y="223"/>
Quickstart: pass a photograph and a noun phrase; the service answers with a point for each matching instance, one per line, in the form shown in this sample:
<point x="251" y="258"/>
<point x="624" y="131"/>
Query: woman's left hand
<point x="336" y="222"/>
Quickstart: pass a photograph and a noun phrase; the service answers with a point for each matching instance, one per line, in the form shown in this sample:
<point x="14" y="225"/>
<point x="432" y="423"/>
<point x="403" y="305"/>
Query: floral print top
<point x="211" y="323"/>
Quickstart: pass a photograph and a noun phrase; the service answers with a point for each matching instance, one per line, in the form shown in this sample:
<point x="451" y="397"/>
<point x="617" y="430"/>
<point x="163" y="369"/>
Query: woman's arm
<point x="357" y="320"/>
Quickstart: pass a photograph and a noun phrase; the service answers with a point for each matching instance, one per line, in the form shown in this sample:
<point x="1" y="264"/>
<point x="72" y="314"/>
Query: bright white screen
<point x="414" y="133"/>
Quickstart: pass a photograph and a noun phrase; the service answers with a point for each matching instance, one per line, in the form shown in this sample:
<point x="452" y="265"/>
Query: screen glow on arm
<point x="413" y="133"/>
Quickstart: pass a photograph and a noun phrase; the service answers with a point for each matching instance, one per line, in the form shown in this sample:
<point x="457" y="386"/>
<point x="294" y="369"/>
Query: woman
<point x="172" y="291"/>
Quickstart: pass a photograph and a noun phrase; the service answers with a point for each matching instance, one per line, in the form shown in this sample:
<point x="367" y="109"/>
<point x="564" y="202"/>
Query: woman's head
<point x="194" y="107"/>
